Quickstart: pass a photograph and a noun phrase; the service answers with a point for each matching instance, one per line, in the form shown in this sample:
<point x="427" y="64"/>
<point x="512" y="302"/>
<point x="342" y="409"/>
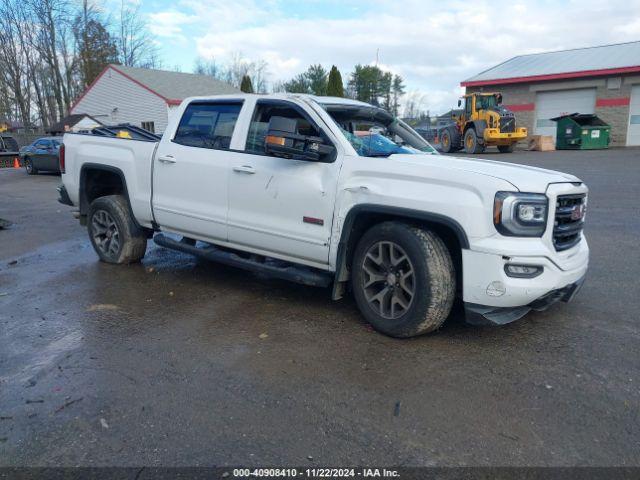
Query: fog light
<point x="522" y="271"/>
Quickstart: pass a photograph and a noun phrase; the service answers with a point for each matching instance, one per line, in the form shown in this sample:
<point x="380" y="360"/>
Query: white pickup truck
<point x="329" y="191"/>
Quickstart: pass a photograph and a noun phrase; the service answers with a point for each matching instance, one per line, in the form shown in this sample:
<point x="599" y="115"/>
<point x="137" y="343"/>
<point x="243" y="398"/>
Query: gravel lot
<point x="182" y="362"/>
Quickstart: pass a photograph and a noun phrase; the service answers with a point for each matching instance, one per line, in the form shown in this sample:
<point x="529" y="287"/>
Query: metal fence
<point x="27" y="138"/>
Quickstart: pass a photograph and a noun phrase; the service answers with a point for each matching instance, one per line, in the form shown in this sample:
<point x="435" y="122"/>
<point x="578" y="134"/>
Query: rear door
<point x="191" y="171"/>
<point x="278" y="205"/>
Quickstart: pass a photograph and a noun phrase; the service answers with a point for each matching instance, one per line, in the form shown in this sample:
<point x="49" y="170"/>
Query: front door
<point x="277" y="204"/>
<point x="191" y="170"/>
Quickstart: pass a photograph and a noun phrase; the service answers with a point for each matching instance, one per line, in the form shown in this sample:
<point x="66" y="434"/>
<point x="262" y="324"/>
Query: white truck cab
<point x="330" y="191"/>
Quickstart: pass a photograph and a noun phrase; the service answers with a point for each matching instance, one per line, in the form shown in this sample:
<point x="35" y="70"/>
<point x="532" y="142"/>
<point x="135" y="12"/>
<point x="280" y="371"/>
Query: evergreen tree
<point x="397" y="90"/>
<point x="313" y="81"/>
<point x="334" y="84"/>
<point x="245" y="85"/>
<point x="317" y="78"/>
<point x="366" y="84"/>
<point x="298" y="84"/>
<point x="95" y="46"/>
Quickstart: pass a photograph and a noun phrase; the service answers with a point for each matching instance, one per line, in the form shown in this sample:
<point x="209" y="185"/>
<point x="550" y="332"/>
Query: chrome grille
<point x="569" y="220"/>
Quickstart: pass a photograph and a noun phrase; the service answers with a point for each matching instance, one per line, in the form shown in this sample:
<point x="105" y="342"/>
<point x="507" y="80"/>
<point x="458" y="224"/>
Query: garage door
<point x="633" y="134"/>
<point x="553" y="104"/>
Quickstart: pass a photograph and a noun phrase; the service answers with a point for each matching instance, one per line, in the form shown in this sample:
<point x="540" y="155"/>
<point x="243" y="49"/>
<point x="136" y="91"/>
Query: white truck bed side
<point x="131" y="157"/>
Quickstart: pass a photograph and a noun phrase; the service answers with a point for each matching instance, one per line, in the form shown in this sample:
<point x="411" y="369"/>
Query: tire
<point x="416" y="305"/>
<point x="505" y="148"/>
<point x="113" y="232"/>
<point x="28" y="166"/>
<point x="445" y="141"/>
<point x="471" y="144"/>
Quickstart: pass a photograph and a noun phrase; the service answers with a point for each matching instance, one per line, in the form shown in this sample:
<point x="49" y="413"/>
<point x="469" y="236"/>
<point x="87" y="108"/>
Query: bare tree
<point x="233" y="71"/>
<point x="136" y="47"/>
<point x="52" y="41"/>
<point x="13" y="74"/>
<point x="50" y="50"/>
<point x="414" y="105"/>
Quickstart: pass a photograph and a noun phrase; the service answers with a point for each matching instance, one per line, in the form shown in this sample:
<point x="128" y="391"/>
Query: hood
<point x="522" y="177"/>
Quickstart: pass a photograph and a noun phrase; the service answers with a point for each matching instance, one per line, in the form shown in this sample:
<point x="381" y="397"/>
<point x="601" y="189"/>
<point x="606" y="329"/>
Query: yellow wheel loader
<point x="484" y="122"/>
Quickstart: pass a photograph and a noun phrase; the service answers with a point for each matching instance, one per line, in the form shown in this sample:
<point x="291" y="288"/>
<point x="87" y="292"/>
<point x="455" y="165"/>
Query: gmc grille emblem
<point x="577" y="212"/>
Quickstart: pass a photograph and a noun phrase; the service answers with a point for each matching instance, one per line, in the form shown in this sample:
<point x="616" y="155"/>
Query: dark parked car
<point x="41" y="155"/>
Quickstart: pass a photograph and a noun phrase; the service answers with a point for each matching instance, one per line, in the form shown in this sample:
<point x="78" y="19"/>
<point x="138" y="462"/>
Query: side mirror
<point x="282" y="140"/>
<point x="459" y="103"/>
<point x="499" y="98"/>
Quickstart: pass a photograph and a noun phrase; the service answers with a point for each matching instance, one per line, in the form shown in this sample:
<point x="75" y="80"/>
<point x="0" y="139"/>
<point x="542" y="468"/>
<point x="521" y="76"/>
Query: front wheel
<point x="471" y="142"/>
<point x="403" y="279"/>
<point x="28" y="166"/>
<point x="114" y="234"/>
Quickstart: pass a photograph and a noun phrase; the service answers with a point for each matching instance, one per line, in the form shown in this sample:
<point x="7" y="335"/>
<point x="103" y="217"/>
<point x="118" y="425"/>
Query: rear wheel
<point x="445" y="141"/>
<point x="403" y="279"/>
<point x="505" y="148"/>
<point x="471" y="143"/>
<point x="114" y="234"/>
<point x="28" y="166"/>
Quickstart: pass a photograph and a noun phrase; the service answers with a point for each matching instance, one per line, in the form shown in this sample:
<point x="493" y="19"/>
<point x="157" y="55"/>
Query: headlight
<point x="520" y="214"/>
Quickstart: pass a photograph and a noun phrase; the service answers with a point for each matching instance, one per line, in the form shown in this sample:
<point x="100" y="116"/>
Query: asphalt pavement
<point x="181" y="362"/>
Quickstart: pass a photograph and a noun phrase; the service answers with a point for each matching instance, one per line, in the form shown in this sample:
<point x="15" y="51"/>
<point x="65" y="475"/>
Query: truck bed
<point x="129" y="158"/>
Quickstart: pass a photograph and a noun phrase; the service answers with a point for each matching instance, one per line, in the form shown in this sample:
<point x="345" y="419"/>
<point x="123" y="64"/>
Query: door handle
<point x="245" y="169"/>
<point x="167" y="159"/>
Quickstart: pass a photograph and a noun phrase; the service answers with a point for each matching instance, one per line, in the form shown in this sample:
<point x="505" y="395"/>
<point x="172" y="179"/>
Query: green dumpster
<point x="581" y="131"/>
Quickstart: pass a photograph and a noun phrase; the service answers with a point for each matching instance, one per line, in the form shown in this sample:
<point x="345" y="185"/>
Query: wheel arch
<point x="478" y="125"/>
<point x="98" y="180"/>
<point x="362" y="217"/>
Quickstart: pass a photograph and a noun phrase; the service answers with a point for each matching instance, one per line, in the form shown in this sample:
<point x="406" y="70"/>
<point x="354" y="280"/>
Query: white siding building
<point x="141" y="96"/>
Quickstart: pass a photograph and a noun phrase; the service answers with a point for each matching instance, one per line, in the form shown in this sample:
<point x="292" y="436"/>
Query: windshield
<point x="485" y="102"/>
<point x="376" y="145"/>
<point x="373" y="132"/>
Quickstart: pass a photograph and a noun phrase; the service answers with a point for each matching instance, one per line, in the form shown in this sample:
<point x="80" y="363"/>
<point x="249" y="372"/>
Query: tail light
<point x="61" y="158"/>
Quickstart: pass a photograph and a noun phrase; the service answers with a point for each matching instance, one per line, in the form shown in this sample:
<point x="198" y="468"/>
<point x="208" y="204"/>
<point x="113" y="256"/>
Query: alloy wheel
<point x="105" y="233"/>
<point x="388" y="279"/>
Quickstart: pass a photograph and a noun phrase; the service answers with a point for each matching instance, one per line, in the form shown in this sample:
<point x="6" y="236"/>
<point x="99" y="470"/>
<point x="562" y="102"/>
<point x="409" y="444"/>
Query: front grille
<point x="569" y="220"/>
<point x="507" y="124"/>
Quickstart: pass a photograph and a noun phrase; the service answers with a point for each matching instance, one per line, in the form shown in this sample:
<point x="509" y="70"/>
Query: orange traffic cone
<point x="16" y="162"/>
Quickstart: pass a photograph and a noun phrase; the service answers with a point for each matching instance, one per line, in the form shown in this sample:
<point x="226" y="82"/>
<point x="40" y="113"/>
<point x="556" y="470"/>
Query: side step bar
<point x="293" y="273"/>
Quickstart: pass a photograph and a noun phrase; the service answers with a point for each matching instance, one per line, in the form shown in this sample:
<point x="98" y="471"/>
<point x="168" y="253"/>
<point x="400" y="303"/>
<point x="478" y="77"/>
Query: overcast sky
<point x="432" y="45"/>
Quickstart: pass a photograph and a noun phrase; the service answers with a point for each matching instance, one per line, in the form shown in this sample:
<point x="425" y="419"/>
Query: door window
<point x="208" y="125"/>
<point x="260" y="123"/>
<point x="467" y="106"/>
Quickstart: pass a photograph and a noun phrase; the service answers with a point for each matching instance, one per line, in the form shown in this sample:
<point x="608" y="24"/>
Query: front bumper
<point x="487" y="315"/>
<point x="491" y="296"/>
<point x="493" y="135"/>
